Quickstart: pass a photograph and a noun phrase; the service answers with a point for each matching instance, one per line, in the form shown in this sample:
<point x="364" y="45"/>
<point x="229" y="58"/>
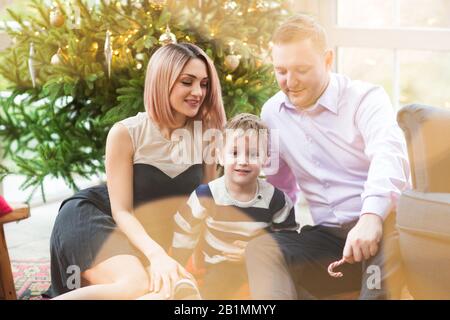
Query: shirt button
<point x="317" y="163"/>
<point x="326" y="185"/>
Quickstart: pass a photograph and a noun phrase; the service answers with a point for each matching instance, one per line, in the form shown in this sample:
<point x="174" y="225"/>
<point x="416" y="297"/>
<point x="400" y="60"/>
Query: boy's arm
<point x="188" y="221"/>
<point x="284" y="218"/>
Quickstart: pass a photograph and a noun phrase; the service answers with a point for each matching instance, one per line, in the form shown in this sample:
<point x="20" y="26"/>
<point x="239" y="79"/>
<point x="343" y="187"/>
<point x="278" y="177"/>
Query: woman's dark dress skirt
<point x="85" y="233"/>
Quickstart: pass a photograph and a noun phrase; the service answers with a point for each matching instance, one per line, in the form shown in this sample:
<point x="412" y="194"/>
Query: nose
<point x="242" y="160"/>
<point x="196" y="90"/>
<point x="291" y="80"/>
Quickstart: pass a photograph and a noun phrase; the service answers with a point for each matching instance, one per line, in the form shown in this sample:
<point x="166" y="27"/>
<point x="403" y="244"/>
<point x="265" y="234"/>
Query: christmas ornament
<point x="137" y="4"/>
<point x="167" y="37"/>
<point x="56" y="18"/>
<point x="262" y="4"/>
<point x="108" y="52"/>
<point x="58" y="58"/>
<point x="31" y="65"/>
<point x="157" y="4"/>
<point x="232" y="62"/>
<point x="230" y="5"/>
<point x="140" y="56"/>
<point x="93" y="48"/>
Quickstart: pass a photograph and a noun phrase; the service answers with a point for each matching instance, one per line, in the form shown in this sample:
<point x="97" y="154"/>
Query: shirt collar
<point x="328" y="99"/>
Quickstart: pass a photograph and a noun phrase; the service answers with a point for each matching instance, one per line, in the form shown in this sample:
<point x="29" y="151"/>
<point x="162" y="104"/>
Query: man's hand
<point x="362" y="240"/>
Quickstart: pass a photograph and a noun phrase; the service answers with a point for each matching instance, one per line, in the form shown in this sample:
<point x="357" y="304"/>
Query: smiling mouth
<point x="296" y="91"/>
<point x="242" y="171"/>
<point x="193" y="103"/>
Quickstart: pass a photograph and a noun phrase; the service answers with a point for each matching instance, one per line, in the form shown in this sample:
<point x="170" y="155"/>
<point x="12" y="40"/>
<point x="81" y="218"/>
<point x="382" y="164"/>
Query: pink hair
<point x="163" y="70"/>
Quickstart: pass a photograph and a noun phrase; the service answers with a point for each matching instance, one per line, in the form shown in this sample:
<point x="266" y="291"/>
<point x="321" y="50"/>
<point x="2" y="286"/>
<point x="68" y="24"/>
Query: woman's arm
<point x="209" y="172"/>
<point x="119" y="172"/>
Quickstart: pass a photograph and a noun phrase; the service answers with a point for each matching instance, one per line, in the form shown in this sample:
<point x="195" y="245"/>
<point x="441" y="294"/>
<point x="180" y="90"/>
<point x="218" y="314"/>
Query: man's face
<point x="302" y="71"/>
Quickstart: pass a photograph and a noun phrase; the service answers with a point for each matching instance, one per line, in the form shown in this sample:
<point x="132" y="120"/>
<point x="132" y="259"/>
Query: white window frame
<point x="395" y="38"/>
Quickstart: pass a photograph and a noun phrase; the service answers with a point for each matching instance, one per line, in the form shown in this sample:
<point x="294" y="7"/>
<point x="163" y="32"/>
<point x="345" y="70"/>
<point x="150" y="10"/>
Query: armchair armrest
<point x="427" y="133"/>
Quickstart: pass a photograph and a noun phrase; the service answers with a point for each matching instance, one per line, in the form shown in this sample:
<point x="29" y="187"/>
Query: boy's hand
<point x="237" y="257"/>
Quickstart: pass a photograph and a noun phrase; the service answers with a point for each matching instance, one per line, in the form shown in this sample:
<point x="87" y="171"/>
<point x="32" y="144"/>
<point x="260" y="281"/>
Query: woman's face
<point x="189" y="90"/>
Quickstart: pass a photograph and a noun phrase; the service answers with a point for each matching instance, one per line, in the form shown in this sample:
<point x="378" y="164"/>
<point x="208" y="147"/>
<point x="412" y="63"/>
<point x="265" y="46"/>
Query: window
<point x="403" y="45"/>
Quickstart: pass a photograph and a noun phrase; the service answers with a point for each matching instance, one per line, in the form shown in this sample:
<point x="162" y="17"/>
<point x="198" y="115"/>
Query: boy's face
<point x="241" y="158"/>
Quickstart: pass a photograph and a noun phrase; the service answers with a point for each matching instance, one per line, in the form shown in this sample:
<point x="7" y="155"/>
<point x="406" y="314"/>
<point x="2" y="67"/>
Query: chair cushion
<point x="423" y="221"/>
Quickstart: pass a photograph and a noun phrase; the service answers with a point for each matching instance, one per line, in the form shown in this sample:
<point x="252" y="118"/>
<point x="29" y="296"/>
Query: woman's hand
<point x="164" y="272"/>
<point x="239" y="256"/>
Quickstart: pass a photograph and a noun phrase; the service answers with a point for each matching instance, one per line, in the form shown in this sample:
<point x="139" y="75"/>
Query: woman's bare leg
<point x="120" y="277"/>
<point x="153" y="296"/>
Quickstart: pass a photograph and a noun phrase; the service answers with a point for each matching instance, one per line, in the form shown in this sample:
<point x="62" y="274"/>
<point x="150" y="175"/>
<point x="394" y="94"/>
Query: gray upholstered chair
<point x="423" y="214"/>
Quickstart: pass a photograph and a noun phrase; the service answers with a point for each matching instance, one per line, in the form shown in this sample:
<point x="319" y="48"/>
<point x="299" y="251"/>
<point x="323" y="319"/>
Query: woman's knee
<point x="126" y="272"/>
<point x="134" y="286"/>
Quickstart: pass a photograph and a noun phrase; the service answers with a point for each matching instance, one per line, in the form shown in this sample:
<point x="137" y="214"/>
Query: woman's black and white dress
<point x="85" y="233"/>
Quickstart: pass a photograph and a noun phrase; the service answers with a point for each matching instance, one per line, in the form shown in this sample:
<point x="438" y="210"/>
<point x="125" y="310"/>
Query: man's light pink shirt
<point x="346" y="153"/>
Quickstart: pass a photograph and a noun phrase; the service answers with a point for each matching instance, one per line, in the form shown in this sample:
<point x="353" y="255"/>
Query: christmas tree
<point x="74" y="69"/>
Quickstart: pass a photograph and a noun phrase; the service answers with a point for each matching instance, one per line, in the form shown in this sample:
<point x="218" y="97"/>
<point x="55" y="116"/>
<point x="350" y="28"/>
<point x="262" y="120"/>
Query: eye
<point x="186" y="83"/>
<point x="280" y="71"/>
<point x="303" y="70"/>
<point x="204" y="84"/>
<point x="253" y="155"/>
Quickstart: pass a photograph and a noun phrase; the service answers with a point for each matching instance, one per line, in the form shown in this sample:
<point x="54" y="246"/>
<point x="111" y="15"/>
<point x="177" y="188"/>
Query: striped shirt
<point x="213" y="218"/>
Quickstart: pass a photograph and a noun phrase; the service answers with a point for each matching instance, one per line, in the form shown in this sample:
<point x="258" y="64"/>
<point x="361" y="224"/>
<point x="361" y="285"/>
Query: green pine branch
<point x="59" y="128"/>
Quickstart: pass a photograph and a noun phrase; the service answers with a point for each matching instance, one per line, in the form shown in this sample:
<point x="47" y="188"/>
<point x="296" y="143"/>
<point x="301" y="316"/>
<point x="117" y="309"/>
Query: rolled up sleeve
<point x="385" y="146"/>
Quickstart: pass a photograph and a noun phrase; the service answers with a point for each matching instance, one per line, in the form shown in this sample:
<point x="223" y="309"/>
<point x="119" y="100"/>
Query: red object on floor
<point x="4" y="207"/>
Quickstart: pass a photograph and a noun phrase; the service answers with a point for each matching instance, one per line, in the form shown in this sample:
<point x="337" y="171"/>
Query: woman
<point x="120" y="250"/>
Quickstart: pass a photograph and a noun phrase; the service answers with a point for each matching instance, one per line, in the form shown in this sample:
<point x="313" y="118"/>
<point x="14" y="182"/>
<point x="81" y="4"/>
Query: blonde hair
<point x="246" y="121"/>
<point x="163" y="70"/>
<point x="301" y="27"/>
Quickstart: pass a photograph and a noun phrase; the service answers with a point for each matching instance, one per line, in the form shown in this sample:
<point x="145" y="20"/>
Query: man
<point x="340" y="143"/>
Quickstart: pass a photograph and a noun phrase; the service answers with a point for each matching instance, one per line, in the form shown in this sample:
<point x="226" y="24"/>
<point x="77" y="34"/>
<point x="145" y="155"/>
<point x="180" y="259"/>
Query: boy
<point x="223" y="215"/>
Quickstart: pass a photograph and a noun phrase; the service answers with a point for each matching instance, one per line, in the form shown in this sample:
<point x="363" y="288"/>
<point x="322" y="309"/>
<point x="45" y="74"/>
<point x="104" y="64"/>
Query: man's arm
<point x="277" y="171"/>
<point x="385" y="145"/>
<point x="388" y="173"/>
<point x="284" y="180"/>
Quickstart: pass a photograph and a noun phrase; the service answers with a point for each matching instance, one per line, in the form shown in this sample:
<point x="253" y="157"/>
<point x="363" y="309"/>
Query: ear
<point x="329" y="58"/>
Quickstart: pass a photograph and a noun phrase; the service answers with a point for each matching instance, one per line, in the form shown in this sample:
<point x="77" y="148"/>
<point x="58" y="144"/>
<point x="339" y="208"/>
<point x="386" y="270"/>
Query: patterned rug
<point x="31" y="278"/>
